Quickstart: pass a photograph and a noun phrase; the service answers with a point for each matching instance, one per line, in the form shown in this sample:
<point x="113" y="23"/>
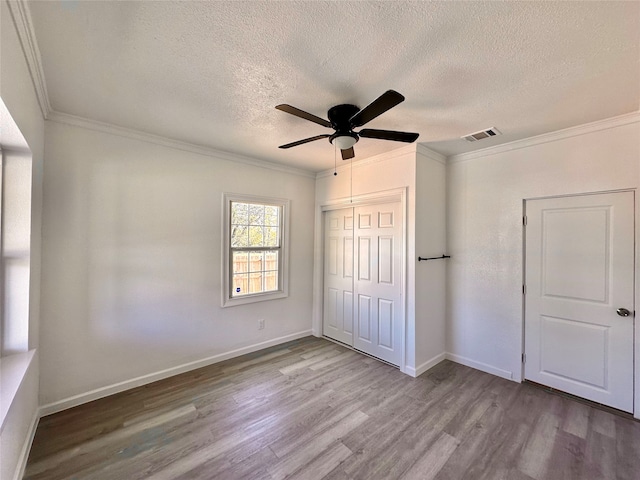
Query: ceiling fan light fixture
<point x="344" y="142"/>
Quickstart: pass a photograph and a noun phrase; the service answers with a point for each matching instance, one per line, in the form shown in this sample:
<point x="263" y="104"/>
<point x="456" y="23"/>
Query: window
<point x="15" y="236"/>
<point x="255" y="249"/>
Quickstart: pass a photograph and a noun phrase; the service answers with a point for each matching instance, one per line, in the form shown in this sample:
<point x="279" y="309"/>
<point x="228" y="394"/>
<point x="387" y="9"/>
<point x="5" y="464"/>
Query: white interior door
<point x="579" y="273"/>
<point x="378" y="281"/>
<point x="363" y="279"/>
<point x="338" y="275"/>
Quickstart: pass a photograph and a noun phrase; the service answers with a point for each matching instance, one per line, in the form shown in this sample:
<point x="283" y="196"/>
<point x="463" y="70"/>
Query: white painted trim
<point x="111" y="129"/>
<point x="416" y="372"/>
<point x="283" y="262"/>
<point x="26" y="447"/>
<point x="13" y="370"/>
<point x="102" y="392"/>
<point x="21" y="16"/>
<point x="480" y="366"/>
<point x="587" y="128"/>
<point x="386" y="196"/>
<point x="431" y="154"/>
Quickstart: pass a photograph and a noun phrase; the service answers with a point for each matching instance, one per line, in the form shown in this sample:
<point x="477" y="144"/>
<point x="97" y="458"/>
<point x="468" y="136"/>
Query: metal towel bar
<point x="433" y="258"/>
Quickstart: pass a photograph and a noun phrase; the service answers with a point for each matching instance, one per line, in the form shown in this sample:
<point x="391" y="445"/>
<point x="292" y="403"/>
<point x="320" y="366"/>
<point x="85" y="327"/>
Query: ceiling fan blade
<point x="302" y="114"/>
<point x="384" y="102"/>
<point x="306" y="140"/>
<point x="348" y="153"/>
<point x="389" y="135"/>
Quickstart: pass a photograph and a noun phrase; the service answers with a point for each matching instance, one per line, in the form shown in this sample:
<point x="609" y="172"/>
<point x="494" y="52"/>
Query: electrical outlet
<point x="261" y="324"/>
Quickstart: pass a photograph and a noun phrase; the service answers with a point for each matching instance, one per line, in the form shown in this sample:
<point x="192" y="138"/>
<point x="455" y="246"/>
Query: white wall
<point x="485" y="202"/>
<point x="18" y="94"/>
<point x="20" y="423"/>
<point x="431" y="241"/>
<point x="132" y="261"/>
<point x="396" y="169"/>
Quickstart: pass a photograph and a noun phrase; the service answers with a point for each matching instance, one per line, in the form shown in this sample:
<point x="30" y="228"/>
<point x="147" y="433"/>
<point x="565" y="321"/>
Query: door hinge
<point x="524" y="289"/>
<point x="524" y="358"/>
<point x="524" y="220"/>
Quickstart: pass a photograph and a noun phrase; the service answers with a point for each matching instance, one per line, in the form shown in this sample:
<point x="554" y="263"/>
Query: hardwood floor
<point x="311" y="409"/>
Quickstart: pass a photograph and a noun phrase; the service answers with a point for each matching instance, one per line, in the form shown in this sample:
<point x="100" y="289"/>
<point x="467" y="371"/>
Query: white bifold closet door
<point x="363" y="279"/>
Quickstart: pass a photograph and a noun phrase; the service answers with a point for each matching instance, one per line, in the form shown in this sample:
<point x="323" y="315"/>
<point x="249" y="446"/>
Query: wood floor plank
<point x="312" y="409"/>
<point x="604" y="423"/>
<point x="429" y="464"/>
<point x="324" y="463"/>
<point x="102" y="445"/>
<point x="305" y="454"/>
<point x="567" y="459"/>
<point x="627" y="441"/>
<point x="577" y="420"/>
<point x="535" y="457"/>
<point x="478" y="446"/>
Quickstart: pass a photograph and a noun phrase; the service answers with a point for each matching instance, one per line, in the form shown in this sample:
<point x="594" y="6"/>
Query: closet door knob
<point x="623" y="312"/>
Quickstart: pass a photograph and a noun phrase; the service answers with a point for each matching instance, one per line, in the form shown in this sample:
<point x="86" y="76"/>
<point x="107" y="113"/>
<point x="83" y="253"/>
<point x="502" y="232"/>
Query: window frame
<point x="227" y="252"/>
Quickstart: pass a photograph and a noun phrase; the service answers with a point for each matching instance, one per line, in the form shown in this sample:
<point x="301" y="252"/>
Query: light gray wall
<point x="18" y="94"/>
<point x="485" y="203"/>
<point x="431" y="240"/>
<point x="132" y="260"/>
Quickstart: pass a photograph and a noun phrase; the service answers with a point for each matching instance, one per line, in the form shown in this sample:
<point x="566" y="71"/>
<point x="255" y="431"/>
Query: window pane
<point x="256" y="261"/>
<point x="240" y="262"/>
<point x="240" y="285"/>
<point x="256" y="214"/>
<point x="239" y="236"/>
<point x="239" y="213"/>
<point x="270" y="260"/>
<point x="271" y="216"/>
<point x="255" y="282"/>
<point x="256" y="237"/>
<point x="271" y="237"/>
<point x="271" y="281"/>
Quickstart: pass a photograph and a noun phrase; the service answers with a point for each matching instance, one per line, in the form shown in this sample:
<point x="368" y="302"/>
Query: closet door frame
<point x="387" y="196"/>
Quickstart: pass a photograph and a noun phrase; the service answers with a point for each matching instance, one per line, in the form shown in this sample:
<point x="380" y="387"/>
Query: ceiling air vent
<point x="474" y="137"/>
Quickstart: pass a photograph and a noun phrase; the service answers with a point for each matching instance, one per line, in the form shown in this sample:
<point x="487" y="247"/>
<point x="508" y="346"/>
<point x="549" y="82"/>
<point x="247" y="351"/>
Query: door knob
<point x="623" y="312"/>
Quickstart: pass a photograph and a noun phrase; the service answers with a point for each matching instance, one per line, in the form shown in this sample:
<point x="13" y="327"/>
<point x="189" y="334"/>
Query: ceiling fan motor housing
<point x="339" y="117"/>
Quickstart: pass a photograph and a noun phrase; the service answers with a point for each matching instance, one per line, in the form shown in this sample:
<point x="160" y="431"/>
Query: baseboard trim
<point x="26" y="447"/>
<point x="480" y="366"/>
<point x="416" y="372"/>
<point x="102" y="392"/>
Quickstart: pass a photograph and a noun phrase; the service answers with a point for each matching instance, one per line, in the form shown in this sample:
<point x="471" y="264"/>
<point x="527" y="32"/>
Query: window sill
<point x="13" y="369"/>
<point x="261" y="297"/>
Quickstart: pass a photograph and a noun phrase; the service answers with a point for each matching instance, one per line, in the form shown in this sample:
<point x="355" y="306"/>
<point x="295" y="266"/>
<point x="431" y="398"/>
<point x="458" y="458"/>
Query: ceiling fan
<point x="344" y="118"/>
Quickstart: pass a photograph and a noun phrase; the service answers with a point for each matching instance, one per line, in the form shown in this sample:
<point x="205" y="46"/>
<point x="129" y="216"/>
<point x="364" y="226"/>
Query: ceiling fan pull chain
<point x="335" y="161"/>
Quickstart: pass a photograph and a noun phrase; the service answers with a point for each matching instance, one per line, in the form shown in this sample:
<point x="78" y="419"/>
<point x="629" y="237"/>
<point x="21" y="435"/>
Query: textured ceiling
<point x="211" y="73"/>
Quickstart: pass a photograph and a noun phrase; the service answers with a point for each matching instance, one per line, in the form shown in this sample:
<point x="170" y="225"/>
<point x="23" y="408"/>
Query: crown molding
<point x="21" y="16"/>
<point x="76" y="121"/>
<point x="431" y="154"/>
<point x="587" y="128"/>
